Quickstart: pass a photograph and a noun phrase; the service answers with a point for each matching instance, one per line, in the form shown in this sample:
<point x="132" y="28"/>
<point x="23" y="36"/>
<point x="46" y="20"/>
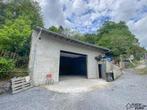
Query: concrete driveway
<point x="130" y="88"/>
<point x="77" y="84"/>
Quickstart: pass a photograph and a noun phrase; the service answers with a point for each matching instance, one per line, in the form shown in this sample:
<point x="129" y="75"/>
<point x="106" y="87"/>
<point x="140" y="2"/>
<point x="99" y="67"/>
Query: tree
<point x="6" y="67"/>
<point x="12" y="9"/>
<point x="54" y="29"/>
<point x="59" y="29"/>
<point x="90" y="38"/>
<point x="18" y="19"/>
<point x="2" y="13"/>
<point x="117" y="37"/>
<point x="15" y="34"/>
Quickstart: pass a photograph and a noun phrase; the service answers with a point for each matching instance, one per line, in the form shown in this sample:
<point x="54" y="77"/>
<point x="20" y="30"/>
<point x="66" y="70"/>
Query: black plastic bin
<point x="109" y="76"/>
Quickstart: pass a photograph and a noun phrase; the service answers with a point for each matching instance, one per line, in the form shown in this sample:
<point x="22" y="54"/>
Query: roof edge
<point x="71" y="39"/>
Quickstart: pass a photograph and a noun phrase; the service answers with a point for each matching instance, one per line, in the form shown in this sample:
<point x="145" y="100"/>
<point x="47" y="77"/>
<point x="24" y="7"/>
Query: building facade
<point x="55" y="54"/>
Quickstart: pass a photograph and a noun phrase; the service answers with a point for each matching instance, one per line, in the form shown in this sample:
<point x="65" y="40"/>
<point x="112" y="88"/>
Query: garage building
<point x="57" y="55"/>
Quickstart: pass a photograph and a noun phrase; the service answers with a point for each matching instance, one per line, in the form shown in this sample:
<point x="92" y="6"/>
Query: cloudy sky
<point x="87" y="16"/>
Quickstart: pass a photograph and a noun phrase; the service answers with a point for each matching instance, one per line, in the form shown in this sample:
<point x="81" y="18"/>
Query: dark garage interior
<point x="72" y="64"/>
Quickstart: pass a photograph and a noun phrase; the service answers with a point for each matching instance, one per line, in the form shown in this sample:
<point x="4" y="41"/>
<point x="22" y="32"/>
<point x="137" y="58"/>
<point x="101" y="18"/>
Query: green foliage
<point x="14" y="34"/>
<point x="16" y="8"/>
<point x="137" y="51"/>
<point x="6" y="66"/>
<point x="21" y="62"/>
<point x="90" y="38"/>
<point x="17" y="20"/>
<point x="118" y="38"/>
<point x="20" y="72"/>
<point x="56" y="29"/>
<point x="53" y="29"/>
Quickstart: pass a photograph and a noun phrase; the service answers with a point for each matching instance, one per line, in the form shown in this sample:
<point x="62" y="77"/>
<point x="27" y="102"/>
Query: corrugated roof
<point x="60" y="36"/>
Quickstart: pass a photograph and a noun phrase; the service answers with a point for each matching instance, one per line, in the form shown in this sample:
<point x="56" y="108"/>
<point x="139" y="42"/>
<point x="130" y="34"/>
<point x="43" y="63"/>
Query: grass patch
<point x="20" y="72"/>
<point x="136" y="63"/>
<point x="142" y="71"/>
<point x="17" y="72"/>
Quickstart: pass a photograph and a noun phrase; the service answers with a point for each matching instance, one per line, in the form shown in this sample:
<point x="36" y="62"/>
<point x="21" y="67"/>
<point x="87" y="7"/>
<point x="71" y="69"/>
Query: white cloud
<point x="117" y="10"/>
<point x="140" y="30"/>
<point x="79" y="6"/>
<point x="52" y="12"/>
<point x="126" y="9"/>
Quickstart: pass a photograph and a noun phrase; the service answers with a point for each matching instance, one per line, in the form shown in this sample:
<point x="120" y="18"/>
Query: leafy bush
<point x="22" y="62"/>
<point x="6" y="66"/>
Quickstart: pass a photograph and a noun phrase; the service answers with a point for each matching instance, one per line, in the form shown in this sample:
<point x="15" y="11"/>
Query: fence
<point x="20" y="84"/>
<point x="19" y="60"/>
<point x="4" y="53"/>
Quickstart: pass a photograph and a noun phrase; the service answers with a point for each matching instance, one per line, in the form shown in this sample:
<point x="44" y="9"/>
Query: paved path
<point x="130" y="88"/>
<point x="77" y="84"/>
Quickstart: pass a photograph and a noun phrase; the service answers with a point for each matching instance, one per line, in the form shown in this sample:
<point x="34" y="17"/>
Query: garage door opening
<point x="72" y="64"/>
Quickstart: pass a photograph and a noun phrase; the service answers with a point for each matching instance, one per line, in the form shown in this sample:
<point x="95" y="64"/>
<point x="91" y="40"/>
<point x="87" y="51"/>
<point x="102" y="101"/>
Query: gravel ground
<point x="129" y="88"/>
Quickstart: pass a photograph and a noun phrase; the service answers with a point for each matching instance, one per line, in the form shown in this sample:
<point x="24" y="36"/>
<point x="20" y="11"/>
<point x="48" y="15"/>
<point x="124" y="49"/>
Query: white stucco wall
<point x="45" y="57"/>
